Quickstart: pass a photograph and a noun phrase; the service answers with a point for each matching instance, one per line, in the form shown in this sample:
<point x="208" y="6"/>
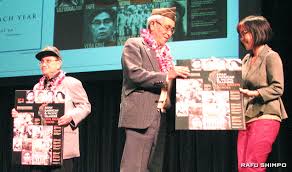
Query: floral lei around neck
<point x="162" y="53"/>
<point x="55" y="83"/>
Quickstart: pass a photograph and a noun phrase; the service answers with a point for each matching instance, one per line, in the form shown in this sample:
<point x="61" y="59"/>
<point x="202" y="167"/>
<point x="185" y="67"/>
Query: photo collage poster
<point x="210" y="98"/>
<point x="104" y="23"/>
<point x="37" y="138"/>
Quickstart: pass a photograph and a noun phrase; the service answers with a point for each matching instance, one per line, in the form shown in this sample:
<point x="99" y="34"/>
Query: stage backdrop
<point x="101" y="141"/>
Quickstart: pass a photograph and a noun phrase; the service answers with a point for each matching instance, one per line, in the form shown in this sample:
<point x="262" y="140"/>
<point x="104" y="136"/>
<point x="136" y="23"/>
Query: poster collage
<point x="103" y="23"/>
<point x="37" y="138"/>
<point x="210" y="99"/>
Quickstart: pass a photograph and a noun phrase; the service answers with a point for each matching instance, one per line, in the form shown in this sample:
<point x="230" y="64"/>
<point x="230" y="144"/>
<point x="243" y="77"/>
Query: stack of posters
<point x="37" y="138"/>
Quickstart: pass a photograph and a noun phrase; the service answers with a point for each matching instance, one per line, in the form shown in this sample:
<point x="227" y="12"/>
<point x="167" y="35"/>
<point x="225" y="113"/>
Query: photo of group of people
<point x="205" y="100"/>
<point x="99" y="23"/>
<point x="35" y="124"/>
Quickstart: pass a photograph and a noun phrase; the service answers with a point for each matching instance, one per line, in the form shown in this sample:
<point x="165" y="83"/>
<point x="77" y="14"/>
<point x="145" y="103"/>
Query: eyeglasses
<point x="242" y="33"/>
<point x="47" y="61"/>
<point x="167" y="27"/>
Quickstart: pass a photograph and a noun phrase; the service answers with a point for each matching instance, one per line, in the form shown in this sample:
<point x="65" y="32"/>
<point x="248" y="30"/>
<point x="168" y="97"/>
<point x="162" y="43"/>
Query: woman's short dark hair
<point x="259" y="27"/>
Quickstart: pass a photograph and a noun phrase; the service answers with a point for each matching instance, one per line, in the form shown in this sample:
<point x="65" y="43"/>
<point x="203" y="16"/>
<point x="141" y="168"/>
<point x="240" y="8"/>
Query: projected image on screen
<point x="91" y="33"/>
<point x="89" y="24"/>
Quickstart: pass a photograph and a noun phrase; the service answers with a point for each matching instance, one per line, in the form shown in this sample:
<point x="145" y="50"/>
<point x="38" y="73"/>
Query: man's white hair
<point x="153" y="18"/>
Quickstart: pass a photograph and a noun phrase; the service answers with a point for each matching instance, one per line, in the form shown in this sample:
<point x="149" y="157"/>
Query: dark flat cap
<point x="166" y="12"/>
<point x="48" y="51"/>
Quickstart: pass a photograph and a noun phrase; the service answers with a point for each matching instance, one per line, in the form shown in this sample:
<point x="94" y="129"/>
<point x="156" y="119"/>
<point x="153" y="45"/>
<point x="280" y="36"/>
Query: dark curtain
<point x="101" y="142"/>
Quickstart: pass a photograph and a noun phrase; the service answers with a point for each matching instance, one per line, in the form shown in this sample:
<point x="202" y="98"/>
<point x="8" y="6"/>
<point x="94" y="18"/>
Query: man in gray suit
<point x="77" y="106"/>
<point x="147" y="71"/>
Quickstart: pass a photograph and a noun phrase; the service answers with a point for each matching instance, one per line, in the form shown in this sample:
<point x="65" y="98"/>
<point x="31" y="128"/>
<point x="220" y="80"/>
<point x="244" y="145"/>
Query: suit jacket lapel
<point x="252" y="68"/>
<point x="151" y="56"/>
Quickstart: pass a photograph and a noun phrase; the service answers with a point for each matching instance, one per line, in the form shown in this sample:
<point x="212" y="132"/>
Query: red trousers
<point x="255" y="143"/>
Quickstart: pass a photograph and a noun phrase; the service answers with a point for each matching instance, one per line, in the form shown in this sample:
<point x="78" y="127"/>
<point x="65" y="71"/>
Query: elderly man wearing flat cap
<point x="147" y="71"/>
<point x="77" y="106"/>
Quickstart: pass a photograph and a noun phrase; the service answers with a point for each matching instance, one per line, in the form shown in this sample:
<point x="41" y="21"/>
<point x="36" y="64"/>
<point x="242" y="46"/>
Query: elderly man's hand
<point x="64" y="120"/>
<point x="178" y="71"/>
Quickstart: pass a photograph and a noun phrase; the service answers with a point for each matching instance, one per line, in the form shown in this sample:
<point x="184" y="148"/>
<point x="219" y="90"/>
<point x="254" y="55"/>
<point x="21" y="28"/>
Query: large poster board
<point x="210" y="99"/>
<point x="37" y="138"/>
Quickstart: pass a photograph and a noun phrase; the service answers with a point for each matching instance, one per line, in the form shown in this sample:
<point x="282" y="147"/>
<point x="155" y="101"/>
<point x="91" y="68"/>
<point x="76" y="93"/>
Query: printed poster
<point x="37" y="138"/>
<point x="210" y="99"/>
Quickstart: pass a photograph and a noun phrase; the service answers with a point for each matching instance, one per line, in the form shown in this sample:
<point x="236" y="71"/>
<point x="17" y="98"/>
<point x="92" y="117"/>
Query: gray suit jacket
<point x="142" y="83"/>
<point x="76" y="105"/>
<point x="266" y="76"/>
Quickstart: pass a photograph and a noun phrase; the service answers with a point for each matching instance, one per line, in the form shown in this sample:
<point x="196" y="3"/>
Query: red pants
<point x="255" y="143"/>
